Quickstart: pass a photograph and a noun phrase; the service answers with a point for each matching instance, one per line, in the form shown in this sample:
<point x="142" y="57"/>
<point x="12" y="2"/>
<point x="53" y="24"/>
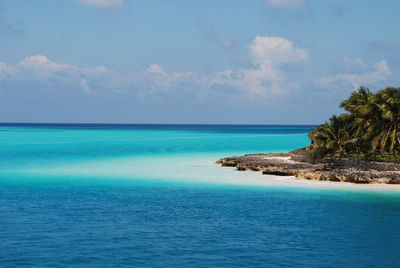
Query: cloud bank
<point x="41" y="71"/>
<point x="368" y="75"/>
<point x="266" y="77"/>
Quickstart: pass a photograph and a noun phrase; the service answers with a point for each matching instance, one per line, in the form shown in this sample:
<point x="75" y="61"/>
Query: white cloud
<point x="266" y="50"/>
<point x="156" y="69"/>
<point x="379" y="72"/>
<point x="42" y="71"/>
<point x="284" y="3"/>
<point x="3" y="67"/>
<point x="103" y="4"/>
<point x="85" y="87"/>
<point x="6" y="70"/>
<point x="354" y="65"/>
<point x="156" y="80"/>
<point x="266" y="78"/>
<point x="44" y="67"/>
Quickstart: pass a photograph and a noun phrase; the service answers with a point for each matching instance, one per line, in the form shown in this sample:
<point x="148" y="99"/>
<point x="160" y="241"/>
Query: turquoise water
<point x="150" y="195"/>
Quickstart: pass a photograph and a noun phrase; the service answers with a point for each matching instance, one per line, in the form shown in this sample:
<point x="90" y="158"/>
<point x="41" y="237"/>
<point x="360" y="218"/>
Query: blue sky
<point x="192" y="61"/>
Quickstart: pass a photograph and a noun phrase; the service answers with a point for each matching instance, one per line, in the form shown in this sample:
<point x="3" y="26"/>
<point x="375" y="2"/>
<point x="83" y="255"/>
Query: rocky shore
<point x="328" y="169"/>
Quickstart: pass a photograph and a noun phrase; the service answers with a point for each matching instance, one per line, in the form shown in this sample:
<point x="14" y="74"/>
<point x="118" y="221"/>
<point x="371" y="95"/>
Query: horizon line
<point x="149" y="124"/>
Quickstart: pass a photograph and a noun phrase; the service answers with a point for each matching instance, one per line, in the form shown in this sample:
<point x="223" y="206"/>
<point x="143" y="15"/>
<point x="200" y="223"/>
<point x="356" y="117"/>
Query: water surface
<point x="150" y="195"/>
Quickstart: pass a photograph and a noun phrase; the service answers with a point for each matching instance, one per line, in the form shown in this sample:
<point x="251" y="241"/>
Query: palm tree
<point x="371" y="125"/>
<point x="332" y="138"/>
<point x="359" y="102"/>
<point x="361" y="110"/>
<point x="388" y="101"/>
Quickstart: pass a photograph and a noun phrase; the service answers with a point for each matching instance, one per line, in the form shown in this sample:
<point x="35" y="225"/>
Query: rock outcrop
<point x="329" y="169"/>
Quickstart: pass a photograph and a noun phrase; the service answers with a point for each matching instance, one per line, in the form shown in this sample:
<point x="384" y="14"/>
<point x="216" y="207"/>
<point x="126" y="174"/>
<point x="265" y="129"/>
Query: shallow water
<point x="142" y="195"/>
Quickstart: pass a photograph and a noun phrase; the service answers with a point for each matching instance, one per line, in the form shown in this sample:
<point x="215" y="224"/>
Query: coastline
<point x="332" y="169"/>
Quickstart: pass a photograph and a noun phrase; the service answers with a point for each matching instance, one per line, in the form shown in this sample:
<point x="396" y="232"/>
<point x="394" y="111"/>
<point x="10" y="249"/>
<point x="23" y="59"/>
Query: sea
<point x="98" y="195"/>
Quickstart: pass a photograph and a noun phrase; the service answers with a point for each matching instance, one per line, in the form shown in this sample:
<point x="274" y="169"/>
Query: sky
<point x="192" y="61"/>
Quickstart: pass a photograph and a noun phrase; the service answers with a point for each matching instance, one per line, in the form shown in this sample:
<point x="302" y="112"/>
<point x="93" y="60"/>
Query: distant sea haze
<point x="151" y="195"/>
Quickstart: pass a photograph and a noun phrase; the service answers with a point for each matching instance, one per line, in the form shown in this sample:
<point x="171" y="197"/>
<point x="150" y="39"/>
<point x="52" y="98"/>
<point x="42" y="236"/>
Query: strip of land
<point x="327" y="169"/>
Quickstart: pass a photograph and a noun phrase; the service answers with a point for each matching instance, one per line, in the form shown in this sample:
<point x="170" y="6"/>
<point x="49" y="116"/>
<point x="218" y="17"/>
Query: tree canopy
<point x="370" y="126"/>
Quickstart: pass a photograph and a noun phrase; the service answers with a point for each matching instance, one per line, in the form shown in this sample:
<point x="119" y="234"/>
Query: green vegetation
<point x="369" y="130"/>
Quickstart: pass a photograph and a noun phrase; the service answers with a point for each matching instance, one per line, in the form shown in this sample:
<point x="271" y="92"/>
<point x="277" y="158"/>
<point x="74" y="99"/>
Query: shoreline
<point x="332" y="169"/>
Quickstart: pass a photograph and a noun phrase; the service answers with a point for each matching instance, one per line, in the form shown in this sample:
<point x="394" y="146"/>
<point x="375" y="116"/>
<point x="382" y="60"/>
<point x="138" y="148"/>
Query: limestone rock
<point x="329" y="169"/>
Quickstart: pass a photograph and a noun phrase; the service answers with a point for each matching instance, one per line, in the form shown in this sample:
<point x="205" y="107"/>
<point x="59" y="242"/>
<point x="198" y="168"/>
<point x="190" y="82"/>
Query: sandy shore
<point x="291" y="182"/>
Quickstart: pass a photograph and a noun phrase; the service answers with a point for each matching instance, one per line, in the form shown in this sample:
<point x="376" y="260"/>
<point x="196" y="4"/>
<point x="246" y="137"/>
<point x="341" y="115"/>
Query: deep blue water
<point x="149" y="195"/>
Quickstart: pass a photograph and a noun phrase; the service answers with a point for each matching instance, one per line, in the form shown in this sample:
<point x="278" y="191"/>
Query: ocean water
<point x="151" y="195"/>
